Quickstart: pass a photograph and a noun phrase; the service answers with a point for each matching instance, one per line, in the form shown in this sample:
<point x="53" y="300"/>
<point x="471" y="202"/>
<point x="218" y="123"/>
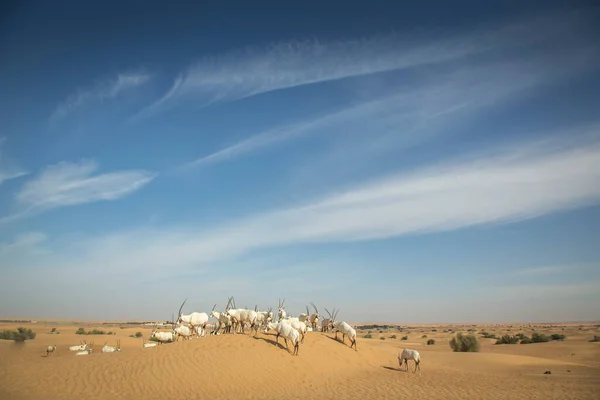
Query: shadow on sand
<point x="271" y="341"/>
<point x="393" y="369"/>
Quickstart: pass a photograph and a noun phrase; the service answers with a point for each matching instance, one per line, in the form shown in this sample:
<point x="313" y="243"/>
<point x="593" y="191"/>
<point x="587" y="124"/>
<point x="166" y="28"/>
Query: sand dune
<point x="243" y="367"/>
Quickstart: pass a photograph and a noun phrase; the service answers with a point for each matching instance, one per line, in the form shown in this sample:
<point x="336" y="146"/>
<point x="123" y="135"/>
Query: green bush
<point x="430" y="342"/>
<point x="80" y="331"/>
<point x="526" y="340"/>
<point x="557" y="336"/>
<point x="464" y="343"/>
<point x="393" y="337"/>
<point x="487" y="335"/>
<point x="404" y="338"/>
<point x="507" y="339"/>
<point x="382" y="338"/>
<point x="367" y="336"/>
<point x="595" y="339"/>
<point x="539" y="338"/>
<point x="138" y="334"/>
<point x="423" y="337"/>
<point x="20" y="335"/>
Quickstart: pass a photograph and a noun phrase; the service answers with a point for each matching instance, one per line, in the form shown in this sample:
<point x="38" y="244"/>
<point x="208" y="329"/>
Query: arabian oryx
<point x="223" y="321"/>
<point x="281" y="314"/>
<point x="407" y="354"/>
<point x="50" y="349"/>
<point x="346" y="330"/>
<point x="87" y="351"/>
<point x="286" y="331"/>
<point x="111" y="349"/>
<point x="314" y="318"/>
<point x="327" y="323"/>
<point x="194" y="319"/>
<point x="80" y="347"/>
<point x="162" y="337"/>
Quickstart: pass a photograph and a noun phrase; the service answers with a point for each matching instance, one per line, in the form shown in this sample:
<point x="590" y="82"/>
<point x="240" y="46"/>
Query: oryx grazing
<point x="162" y="337"/>
<point x="81" y="347"/>
<point x="194" y="319"/>
<point x="111" y="349"/>
<point x="407" y="354"/>
<point x="286" y="332"/>
<point x="314" y="318"/>
<point x="346" y="330"/>
<point x="223" y="320"/>
<point x="281" y="314"/>
<point x="50" y="349"/>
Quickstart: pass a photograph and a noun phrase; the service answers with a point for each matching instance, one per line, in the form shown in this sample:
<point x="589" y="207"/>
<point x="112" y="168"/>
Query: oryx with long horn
<point x="194" y="320"/>
<point x="314" y="318"/>
<point x="281" y="314"/>
<point x="223" y="320"/>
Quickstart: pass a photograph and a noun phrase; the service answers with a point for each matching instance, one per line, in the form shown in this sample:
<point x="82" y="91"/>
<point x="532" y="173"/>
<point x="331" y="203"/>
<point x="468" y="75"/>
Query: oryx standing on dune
<point x="327" y="323"/>
<point x="314" y="318"/>
<point x="223" y="320"/>
<point x="195" y="319"/>
<point x="281" y="314"/>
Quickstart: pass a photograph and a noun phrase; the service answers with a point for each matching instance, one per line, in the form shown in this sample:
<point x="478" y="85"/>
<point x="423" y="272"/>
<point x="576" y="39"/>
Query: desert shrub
<point x="595" y="339"/>
<point x="111" y="333"/>
<point x="96" y="332"/>
<point x="525" y="340"/>
<point x="507" y="339"/>
<point x="53" y="330"/>
<point x="153" y="339"/>
<point x="487" y="335"/>
<point x="380" y="331"/>
<point x="423" y="337"/>
<point x="367" y="336"/>
<point x="80" y="331"/>
<point x="430" y="342"/>
<point x="20" y="335"/>
<point x="404" y="338"/>
<point x="557" y="336"/>
<point x="539" y="338"/>
<point x="434" y="330"/>
<point x="138" y="334"/>
<point x="464" y="343"/>
<point x="382" y="338"/>
<point x="393" y="337"/>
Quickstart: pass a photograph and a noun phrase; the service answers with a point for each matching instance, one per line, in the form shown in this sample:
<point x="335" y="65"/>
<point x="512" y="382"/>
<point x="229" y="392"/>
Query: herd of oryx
<point x="236" y="320"/>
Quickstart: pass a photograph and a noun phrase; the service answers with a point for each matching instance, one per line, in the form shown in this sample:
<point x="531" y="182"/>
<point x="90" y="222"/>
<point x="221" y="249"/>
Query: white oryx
<point x="407" y="354"/>
<point x="297" y="325"/>
<point x="281" y="314"/>
<point x="111" y="349"/>
<point x="314" y="318"/>
<point x="234" y="313"/>
<point x="182" y="331"/>
<point x="162" y="336"/>
<point x="303" y="317"/>
<point x="146" y="343"/>
<point x="223" y="320"/>
<point x="346" y="330"/>
<point x="194" y="319"/>
<point x="79" y="347"/>
<point x="327" y="323"/>
<point x="263" y="318"/>
<point x="286" y="332"/>
<point x="50" y="349"/>
<point x="86" y="351"/>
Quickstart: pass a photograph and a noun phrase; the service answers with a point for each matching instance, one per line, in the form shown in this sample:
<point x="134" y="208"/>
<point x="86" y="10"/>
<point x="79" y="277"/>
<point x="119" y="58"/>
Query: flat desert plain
<point x="236" y="366"/>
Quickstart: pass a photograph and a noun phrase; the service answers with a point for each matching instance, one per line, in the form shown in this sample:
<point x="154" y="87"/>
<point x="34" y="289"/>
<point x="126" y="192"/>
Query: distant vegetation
<point x="382" y="338"/>
<point x="367" y="336"/>
<point x="20" y="335"/>
<point x="464" y="343"/>
<point x="487" y="335"/>
<point x="376" y="327"/>
<point x="508" y="339"/>
<point x="430" y="342"/>
<point x="404" y="338"/>
<point x="595" y="339"/>
<point x="53" y="331"/>
<point x="393" y="337"/>
<point x="557" y="336"/>
<point x="94" y="331"/>
<point x="423" y="337"/>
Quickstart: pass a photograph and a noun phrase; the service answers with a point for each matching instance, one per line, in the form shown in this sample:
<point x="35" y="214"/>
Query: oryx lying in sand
<point x="111" y="349"/>
<point x="79" y="347"/>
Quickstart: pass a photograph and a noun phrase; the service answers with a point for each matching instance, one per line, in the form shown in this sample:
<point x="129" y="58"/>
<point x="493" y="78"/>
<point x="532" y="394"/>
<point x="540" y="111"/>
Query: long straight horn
<point x="307" y="312"/>
<point x="215" y="306"/>
<point x="328" y="313"/>
<point x="228" y="303"/>
<point x="181" y="308"/>
<point x="256" y="307"/>
<point x="315" y="307"/>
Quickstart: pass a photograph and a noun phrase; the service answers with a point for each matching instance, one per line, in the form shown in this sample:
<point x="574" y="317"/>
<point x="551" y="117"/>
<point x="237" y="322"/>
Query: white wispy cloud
<point x="517" y="183"/>
<point x="7" y="168"/>
<point x="421" y="109"/>
<point x="100" y="92"/>
<point x="67" y="184"/>
<point x="250" y="71"/>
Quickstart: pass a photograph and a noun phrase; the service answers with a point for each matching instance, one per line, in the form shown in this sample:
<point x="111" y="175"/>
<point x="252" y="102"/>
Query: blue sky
<point x="407" y="164"/>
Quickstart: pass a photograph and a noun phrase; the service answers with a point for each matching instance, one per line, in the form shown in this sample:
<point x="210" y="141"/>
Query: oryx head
<point x="315" y="316"/>
<point x="179" y="315"/>
<point x="281" y="311"/>
<point x="214" y="313"/>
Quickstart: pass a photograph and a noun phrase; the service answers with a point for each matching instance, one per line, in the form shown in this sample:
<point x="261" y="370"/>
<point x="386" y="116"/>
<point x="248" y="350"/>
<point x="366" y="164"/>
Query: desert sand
<point x="237" y="366"/>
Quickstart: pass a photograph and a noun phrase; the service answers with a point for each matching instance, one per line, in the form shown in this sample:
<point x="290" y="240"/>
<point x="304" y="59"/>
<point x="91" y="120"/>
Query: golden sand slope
<point x="242" y="367"/>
